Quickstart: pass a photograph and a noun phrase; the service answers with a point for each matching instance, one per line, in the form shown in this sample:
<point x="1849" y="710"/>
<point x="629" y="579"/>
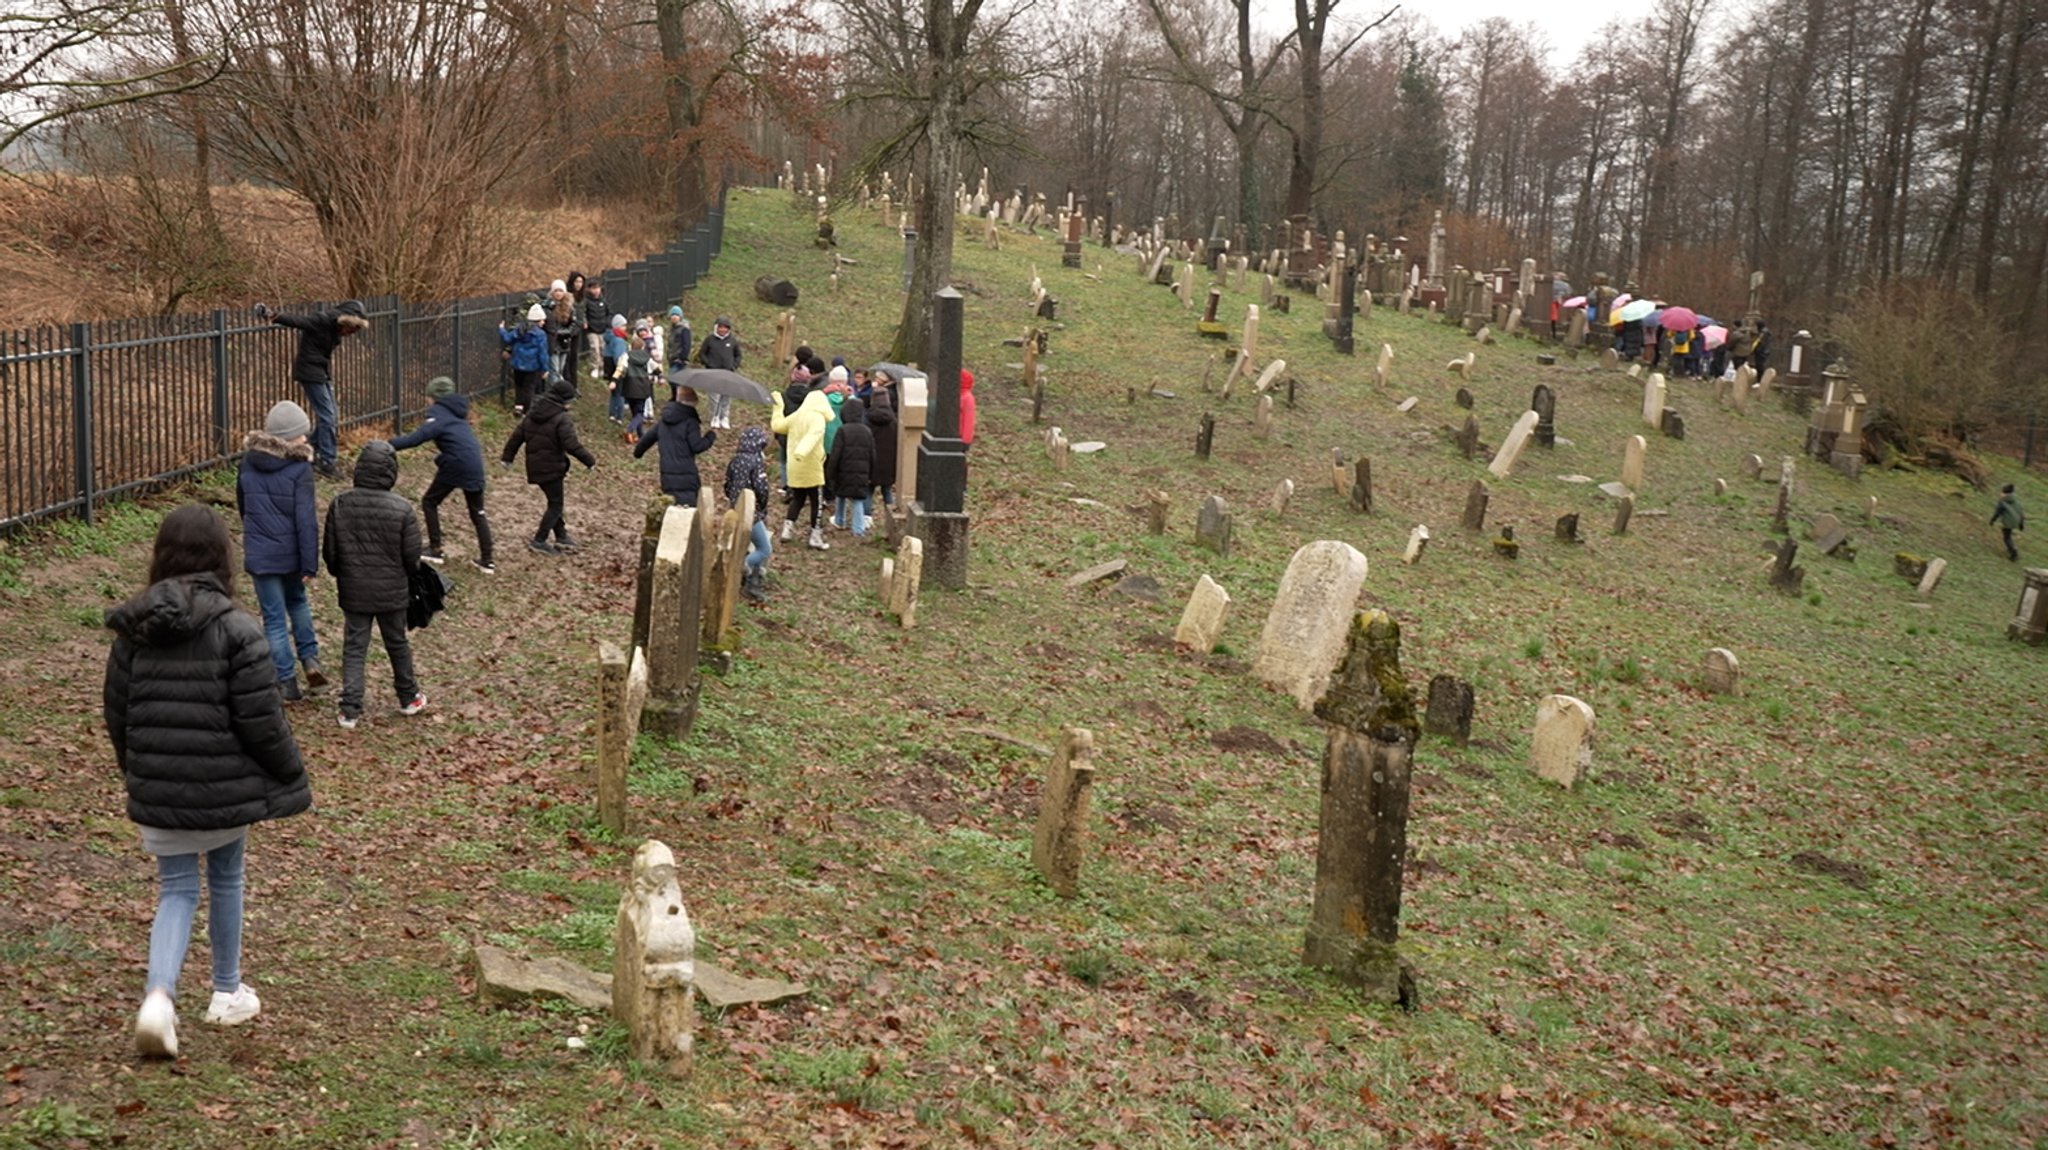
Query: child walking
<point x="205" y="751"/>
<point x="458" y="467"/>
<point x="281" y="541"/>
<point x="526" y="347"/>
<point x="373" y="544"/>
<point x="682" y="438"/>
<point x="550" y="442"/>
<point x="747" y="470"/>
<point x="633" y="383"/>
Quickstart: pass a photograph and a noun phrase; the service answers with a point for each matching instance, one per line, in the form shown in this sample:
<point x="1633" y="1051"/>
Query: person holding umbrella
<point x="721" y="352"/>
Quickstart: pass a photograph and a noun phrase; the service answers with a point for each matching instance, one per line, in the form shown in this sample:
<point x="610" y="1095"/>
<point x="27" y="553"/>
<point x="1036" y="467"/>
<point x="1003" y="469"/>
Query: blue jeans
<point x="287" y="622"/>
<point x="757" y="556"/>
<point x="177" y="903"/>
<point x="852" y="513"/>
<point x="326" y="420"/>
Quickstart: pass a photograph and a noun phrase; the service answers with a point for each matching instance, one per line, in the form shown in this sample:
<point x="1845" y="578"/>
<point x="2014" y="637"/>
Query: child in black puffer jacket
<point x="850" y="468"/>
<point x="372" y="547"/>
<point x="549" y="438"/>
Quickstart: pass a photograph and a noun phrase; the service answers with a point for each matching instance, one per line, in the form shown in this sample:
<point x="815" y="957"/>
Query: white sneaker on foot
<point x="788" y="531"/>
<point x="818" y="540"/>
<point x="156" y="1027"/>
<point x="233" y="1009"/>
<point x="418" y="704"/>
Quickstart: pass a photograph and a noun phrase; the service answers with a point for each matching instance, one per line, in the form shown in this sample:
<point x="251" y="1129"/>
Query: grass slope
<point x="1637" y="963"/>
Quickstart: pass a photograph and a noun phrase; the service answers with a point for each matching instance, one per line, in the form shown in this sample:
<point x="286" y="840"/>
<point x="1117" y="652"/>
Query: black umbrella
<point x="717" y="381"/>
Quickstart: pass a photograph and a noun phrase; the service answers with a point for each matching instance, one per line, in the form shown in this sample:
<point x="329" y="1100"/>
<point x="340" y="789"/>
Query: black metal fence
<point x="95" y="411"/>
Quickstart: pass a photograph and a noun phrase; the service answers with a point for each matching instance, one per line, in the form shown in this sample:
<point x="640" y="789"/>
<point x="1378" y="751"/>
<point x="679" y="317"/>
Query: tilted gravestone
<point x="1721" y="673"/>
<point x="1511" y="448"/>
<point x="1304" y="633"/>
<point x="1475" y="506"/>
<point x="1202" y="620"/>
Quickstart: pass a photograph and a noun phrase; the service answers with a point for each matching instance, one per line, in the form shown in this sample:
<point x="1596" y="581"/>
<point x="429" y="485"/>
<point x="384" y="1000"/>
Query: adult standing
<point x="205" y="752"/>
<point x="721" y="350"/>
<point x="312" y="368"/>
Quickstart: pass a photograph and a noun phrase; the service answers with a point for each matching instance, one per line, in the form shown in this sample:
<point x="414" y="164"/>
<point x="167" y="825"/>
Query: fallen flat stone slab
<point x="722" y="988"/>
<point x="505" y="979"/>
<point x="1095" y="503"/>
<point x="1098" y="572"/>
<point x="1575" y="479"/>
<point x="1087" y="446"/>
<point x="1615" y="490"/>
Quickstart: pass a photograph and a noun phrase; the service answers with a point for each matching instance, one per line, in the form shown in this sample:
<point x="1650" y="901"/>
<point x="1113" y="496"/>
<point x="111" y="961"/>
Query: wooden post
<point x="1062" y="834"/>
<point x="1355" y="920"/>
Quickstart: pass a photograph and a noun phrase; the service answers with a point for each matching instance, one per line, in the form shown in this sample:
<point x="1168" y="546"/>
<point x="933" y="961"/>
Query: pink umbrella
<point x="1575" y="301"/>
<point x="1679" y="319"/>
<point x="1619" y="301"/>
<point x="1715" y="335"/>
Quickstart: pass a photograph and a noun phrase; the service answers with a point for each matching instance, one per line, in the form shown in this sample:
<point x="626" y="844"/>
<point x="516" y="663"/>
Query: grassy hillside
<point x="1641" y="962"/>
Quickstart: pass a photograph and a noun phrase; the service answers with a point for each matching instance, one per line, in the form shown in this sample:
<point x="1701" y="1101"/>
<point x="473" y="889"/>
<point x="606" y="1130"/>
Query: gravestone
<point x="1511" y="449"/>
<point x="1450" y="709"/>
<point x="1562" y="749"/>
<point x="1362" y="839"/>
<point x="1928" y="582"/>
<point x="1475" y="506"/>
<point x="1653" y="400"/>
<point x="654" y="963"/>
<point x="1407" y="405"/>
<point x="1262" y="418"/>
<point x="1823" y="526"/>
<point x="1304" y="633"/>
<point x="1544" y="403"/>
<point x="1417" y="540"/>
<point x="1361" y="485"/>
<point x="1283" y="493"/>
<point x="1467" y="438"/>
<point x="1340" y="475"/>
<point x="1720" y="487"/>
<point x="1507" y="547"/>
<point x="1061" y="836"/>
<point x="938" y="514"/>
<point x="1720" y="672"/>
<point x="1266" y="377"/>
<point x="1786" y="576"/>
<point x="621" y="695"/>
<point x="1752" y="466"/>
<point x="1673" y="423"/>
<point x="1205" y="438"/>
<point x="1632" y="455"/>
<point x="1212" y="525"/>
<point x="1156" y="504"/>
<point x="1870" y="511"/>
<point x="1609" y="358"/>
<point x="1624" y="510"/>
<point x="1462" y="366"/>
<point x="901" y="579"/>
<point x="1568" y="528"/>
<point x="1385" y="365"/>
<point x="675" y="622"/>
<point x="1463" y="399"/>
<point x="1781" y="515"/>
<point x="1202" y="620"/>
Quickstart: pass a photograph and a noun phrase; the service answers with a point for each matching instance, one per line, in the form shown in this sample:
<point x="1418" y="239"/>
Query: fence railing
<point x="92" y="412"/>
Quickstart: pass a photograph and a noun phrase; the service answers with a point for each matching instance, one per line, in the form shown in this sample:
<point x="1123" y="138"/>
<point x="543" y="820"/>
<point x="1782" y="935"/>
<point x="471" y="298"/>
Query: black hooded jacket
<point x="882" y="421"/>
<point x="682" y="440"/>
<point x="850" y="468"/>
<point x="192" y="707"/>
<point x="549" y="438"/>
<point x="319" y="335"/>
<point x="373" y="538"/>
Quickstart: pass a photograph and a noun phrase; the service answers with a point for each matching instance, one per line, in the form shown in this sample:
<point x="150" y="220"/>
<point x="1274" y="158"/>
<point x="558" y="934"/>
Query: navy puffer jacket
<point x="549" y="439"/>
<point x="373" y="537"/>
<point x="191" y="705"/>
<point x="850" y="466"/>
<point x="461" y="462"/>
<point x="682" y="440"/>
<point x="280" y="519"/>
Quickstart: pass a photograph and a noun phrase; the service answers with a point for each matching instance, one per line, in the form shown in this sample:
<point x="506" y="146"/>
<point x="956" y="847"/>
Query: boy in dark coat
<point x="549" y="438"/>
<point x="373" y="544"/>
<point x="682" y="440"/>
<point x="882" y="421"/>
<point x="281" y="541"/>
<point x="458" y="467"/>
<point x="312" y="369"/>
<point x="850" y="468"/>
<point x="2007" y="516"/>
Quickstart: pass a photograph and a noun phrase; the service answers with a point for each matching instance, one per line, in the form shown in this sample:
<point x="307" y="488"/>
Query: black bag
<point x="429" y="596"/>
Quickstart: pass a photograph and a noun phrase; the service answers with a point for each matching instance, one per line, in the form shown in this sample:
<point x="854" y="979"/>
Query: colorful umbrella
<point x="1636" y="310"/>
<point x="1621" y="301"/>
<point x="1715" y="335"/>
<point x="1576" y="301"/>
<point x="1679" y="319"/>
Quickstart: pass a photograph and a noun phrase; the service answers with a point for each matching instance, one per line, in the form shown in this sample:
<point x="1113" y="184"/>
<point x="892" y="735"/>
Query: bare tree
<point x="1239" y="95"/>
<point x="52" y="64"/>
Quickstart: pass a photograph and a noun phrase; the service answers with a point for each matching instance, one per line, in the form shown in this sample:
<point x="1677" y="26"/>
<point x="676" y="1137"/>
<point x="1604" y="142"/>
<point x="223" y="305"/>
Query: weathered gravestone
<point x="1362" y="844"/>
<point x="1061" y="837"/>
<point x="1361" y="485"/>
<point x="1562" y="750"/>
<point x="1653" y="400"/>
<point x="1205" y="438"/>
<point x="1283" y="494"/>
<point x="1823" y="526"/>
<point x="1418" y="539"/>
<point x="1673" y="423"/>
<point x="654" y="963"/>
<point x="1463" y="399"/>
<point x="621" y="695"/>
<point x="1475" y="506"/>
<point x="1506" y="545"/>
<point x="674" y="623"/>
<point x="1785" y="575"/>
<point x="1544" y="403"/>
<point x="1304" y="633"/>
<point x="1752" y="466"/>
<point x="1932" y="579"/>
<point x="1450" y="709"/>
<point x="1624" y="511"/>
<point x="1609" y="358"/>
<point x="1262" y="419"/>
<point x="1212" y="525"/>
<point x="1721" y="673"/>
<point x="1632" y="455"/>
<point x="1156" y="506"/>
<point x="1568" y="528"/>
<point x="1202" y="620"/>
<point x="1511" y="448"/>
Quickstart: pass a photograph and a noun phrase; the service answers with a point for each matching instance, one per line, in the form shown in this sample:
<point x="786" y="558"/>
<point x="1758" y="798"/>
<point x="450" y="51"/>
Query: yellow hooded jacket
<point x="805" y="430"/>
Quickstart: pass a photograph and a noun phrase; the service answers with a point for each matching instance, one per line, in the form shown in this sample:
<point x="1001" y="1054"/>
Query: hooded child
<point x="526" y="347"/>
<point x="850" y="468"/>
<point x="2008" y="517"/>
<point x="459" y="466"/>
<point x="966" y="408"/>
<point x="615" y="345"/>
<point x="281" y="541"/>
<point x="679" y="344"/>
<point x="633" y="385"/>
<point x="205" y="751"/>
<point x="882" y="421"/>
<point x="372" y="547"/>
<point x="312" y="369"/>
<point x="682" y="440"/>
<point x="549" y="437"/>
<point x="721" y="350"/>
<point x="747" y="470"/>
<point x="805" y="431"/>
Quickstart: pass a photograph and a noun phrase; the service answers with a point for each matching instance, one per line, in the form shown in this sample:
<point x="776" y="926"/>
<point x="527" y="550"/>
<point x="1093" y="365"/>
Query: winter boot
<point x="818" y="540"/>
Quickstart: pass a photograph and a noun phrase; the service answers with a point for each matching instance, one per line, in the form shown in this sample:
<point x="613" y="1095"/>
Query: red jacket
<point x="967" y="407"/>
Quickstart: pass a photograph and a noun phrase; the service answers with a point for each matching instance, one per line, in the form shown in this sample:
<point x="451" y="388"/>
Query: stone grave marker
<point x="1205" y="439"/>
<point x="1624" y="510"/>
<point x="1610" y="359"/>
<point x="1266" y="377"/>
<point x="1407" y="405"/>
<point x="1543" y="402"/>
<point x="1653" y="400"/>
<point x="1450" y="709"/>
<point x="621" y="695"/>
<point x="1475" y="506"/>
<point x="1467" y="438"/>
<point x="1568" y="528"/>
<point x="901" y="579"/>
<point x="1781" y="516"/>
<point x="1562" y="749"/>
<point x="1202" y="620"/>
<point x="1156" y="504"/>
<point x="1506" y="546"/>
<point x="1417" y="540"/>
<point x="654" y="963"/>
<point x="1720" y="487"/>
<point x="1262" y="419"/>
<point x="1385" y="365"/>
<point x="1632" y="456"/>
<point x="1823" y="526"/>
<point x="1463" y="399"/>
<point x="1511" y="448"/>
<point x="1752" y="466"/>
<point x="1361" y="485"/>
<point x="1340" y="475"/>
<point x="1061" y="836"/>
<point x="1785" y="575"/>
<point x="1721" y="673"/>
<point x="1283" y="494"/>
<point x="1212" y="525"/>
<point x="1462" y="366"/>
<point x="1305" y="631"/>
<point x="1870" y="511"/>
<point x="1673" y="423"/>
<point x="1936" y="568"/>
<point x="1484" y="335"/>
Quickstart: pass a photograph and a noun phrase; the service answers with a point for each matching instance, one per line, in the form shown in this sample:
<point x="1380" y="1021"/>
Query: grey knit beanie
<point x="287" y="421"/>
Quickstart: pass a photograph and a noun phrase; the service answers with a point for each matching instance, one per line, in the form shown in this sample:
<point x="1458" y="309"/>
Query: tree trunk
<point x="931" y="266"/>
<point x="679" y="101"/>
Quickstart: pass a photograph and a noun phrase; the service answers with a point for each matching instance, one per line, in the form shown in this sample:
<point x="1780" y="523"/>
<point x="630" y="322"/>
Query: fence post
<point x="397" y="365"/>
<point x="222" y="436"/>
<point x="81" y="417"/>
<point x="455" y="354"/>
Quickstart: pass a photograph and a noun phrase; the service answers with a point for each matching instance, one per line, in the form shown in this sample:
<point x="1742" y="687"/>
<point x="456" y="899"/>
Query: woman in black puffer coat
<point x="850" y="468"/>
<point x="192" y="707"/>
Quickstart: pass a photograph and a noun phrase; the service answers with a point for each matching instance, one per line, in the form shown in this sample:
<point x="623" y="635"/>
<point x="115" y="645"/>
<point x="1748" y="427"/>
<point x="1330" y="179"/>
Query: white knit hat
<point x="536" y="314"/>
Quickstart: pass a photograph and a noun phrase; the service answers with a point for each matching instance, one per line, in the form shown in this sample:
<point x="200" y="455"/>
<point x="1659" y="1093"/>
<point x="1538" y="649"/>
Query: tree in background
<point x="1933" y="363"/>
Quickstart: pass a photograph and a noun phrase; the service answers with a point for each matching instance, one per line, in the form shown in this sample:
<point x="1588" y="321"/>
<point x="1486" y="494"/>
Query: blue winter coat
<point x="461" y="463"/>
<point x="529" y="344"/>
<point x="274" y="493"/>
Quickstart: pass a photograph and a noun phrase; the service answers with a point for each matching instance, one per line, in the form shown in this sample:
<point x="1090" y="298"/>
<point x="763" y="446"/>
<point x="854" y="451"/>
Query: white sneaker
<point x="788" y="531"/>
<point x="418" y="704"/>
<point x="156" y="1027"/>
<point x="233" y="1009"/>
<point x="818" y="540"/>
